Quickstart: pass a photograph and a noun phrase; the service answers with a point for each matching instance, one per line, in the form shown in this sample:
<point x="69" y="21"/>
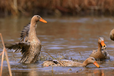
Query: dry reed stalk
<point x="1" y="53"/>
<point x="64" y="6"/>
<point x="2" y="63"/>
<point x="8" y="62"/>
<point x="4" y="50"/>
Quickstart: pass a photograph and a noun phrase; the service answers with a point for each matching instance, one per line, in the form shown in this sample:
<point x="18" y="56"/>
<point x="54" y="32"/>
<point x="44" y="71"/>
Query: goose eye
<point x="38" y="16"/>
<point x="92" y="59"/>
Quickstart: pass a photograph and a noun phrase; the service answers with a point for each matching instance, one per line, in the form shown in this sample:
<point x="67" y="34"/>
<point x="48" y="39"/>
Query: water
<point x="69" y="38"/>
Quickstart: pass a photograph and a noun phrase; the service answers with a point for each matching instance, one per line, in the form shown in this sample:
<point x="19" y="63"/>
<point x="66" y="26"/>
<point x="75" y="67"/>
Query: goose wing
<point x="24" y="33"/>
<point x="18" y="46"/>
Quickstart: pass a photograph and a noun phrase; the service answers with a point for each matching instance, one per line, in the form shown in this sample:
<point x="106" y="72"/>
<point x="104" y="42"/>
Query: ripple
<point x="77" y="46"/>
<point x="55" y="47"/>
<point x="111" y="46"/>
<point x="11" y="40"/>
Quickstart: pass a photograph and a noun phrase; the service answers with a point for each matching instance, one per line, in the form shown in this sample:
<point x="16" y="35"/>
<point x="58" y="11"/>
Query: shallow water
<point x="67" y="38"/>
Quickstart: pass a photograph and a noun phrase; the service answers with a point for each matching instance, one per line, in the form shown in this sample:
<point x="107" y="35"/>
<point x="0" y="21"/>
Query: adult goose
<point x="112" y="34"/>
<point x="101" y="52"/>
<point x="70" y="63"/>
<point x="29" y="44"/>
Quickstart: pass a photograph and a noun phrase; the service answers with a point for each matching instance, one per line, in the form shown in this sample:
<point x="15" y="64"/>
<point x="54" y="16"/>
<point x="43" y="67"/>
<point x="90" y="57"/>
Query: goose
<point x="70" y="63"/>
<point x="101" y="52"/>
<point x="29" y="43"/>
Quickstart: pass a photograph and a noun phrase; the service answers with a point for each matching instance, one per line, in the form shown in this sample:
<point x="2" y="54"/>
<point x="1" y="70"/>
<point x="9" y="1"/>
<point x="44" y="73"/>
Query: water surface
<point x="66" y="38"/>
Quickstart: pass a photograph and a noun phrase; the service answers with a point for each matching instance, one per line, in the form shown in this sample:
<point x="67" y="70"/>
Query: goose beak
<point x="96" y="64"/>
<point x="42" y="20"/>
<point x="103" y="45"/>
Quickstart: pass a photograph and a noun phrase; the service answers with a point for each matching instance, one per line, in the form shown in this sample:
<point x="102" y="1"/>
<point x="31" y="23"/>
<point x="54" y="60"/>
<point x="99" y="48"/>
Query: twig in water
<point x="50" y="55"/>
<point x="80" y="54"/>
<point x="52" y="71"/>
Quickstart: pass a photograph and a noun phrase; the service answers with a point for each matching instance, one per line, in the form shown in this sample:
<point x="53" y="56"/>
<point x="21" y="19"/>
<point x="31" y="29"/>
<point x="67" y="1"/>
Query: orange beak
<point x="42" y="20"/>
<point x="96" y="64"/>
<point x="103" y="44"/>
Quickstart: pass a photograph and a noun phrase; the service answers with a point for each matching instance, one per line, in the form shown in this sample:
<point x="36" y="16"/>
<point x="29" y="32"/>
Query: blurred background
<point x="56" y="7"/>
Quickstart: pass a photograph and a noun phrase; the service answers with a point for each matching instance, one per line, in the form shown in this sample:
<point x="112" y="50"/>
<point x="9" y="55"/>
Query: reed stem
<point x="2" y="63"/>
<point x="4" y="50"/>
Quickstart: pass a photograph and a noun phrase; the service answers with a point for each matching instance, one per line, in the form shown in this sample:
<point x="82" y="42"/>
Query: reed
<point x="49" y="7"/>
<point x="4" y="51"/>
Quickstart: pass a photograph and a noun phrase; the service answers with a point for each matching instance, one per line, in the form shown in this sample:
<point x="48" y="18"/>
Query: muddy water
<point x="65" y="38"/>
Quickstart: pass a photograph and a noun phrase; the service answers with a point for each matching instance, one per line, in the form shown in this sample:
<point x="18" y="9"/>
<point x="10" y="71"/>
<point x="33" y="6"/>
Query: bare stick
<point x="49" y="55"/>
<point x="80" y="54"/>
<point x="2" y="63"/>
<point x="2" y="40"/>
<point x="8" y="62"/>
<point x="1" y="53"/>
<point x="4" y="50"/>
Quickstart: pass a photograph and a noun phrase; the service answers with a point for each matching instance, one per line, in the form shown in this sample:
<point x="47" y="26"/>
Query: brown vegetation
<point x="7" y="59"/>
<point x="52" y="7"/>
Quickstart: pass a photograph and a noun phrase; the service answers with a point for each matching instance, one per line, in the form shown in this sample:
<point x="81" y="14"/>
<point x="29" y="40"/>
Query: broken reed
<point x="51" y="7"/>
<point x="4" y="52"/>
